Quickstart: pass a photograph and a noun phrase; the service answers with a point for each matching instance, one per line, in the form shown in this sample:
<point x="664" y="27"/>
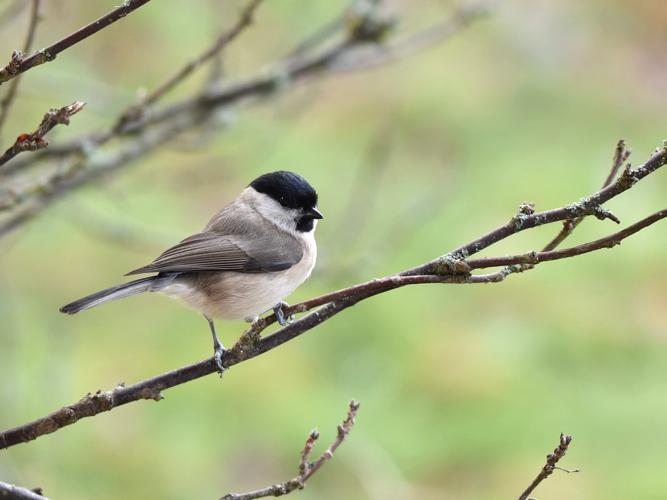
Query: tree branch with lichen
<point x="455" y="267"/>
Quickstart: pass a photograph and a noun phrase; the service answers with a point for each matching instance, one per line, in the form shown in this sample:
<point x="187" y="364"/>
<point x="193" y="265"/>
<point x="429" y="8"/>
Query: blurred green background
<point x="463" y="389"/>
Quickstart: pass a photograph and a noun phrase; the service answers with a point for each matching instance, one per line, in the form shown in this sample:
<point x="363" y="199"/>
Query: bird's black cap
<point x="287" y="188"/>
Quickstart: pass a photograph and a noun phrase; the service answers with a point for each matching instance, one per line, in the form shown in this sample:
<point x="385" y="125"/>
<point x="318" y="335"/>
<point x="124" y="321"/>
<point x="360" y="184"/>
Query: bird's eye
<point x="283" y="201"/>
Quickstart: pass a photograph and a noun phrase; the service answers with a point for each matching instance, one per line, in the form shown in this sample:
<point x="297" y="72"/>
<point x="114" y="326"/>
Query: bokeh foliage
<point x="463" y="388"/>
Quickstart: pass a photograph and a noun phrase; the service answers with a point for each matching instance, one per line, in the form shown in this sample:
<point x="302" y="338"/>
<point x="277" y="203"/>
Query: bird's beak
<point x="314" y="213"/>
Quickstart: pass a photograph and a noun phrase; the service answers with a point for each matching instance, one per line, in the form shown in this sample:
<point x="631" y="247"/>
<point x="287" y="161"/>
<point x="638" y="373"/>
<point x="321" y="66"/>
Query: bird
<point x="250" y="256"/>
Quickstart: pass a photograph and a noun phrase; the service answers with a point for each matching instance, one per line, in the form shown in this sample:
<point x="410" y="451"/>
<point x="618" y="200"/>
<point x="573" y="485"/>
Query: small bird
<point x="250" y="256"/>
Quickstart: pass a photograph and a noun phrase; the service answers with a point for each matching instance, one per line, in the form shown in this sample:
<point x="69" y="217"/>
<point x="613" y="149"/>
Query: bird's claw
<point x="218" y="353"/>
<point x="280" y="314"/>
<point x="218" y="349"/>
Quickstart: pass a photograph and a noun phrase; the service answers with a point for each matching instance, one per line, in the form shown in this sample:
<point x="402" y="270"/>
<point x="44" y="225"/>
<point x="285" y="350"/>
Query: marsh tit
<point x="250" y="256"/>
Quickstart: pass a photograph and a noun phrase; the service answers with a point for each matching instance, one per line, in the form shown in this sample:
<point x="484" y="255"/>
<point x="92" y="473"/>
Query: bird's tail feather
<point x="151" y="283"/>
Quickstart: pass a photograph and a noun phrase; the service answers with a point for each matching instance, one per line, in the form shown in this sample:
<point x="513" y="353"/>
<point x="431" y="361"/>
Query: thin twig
<point x="198" y="110"/>
<point x="17" y="66"/>
<point x="11" y="492"/>
<point x="65" y="179"/>
<point x="35" y="140"/>
<point x="322" y="34"/>
<point x="306" y="468"/>
<point x="451" y="268"/>
<point x="527" y="219"/>
<point x="401" y="48"/>
<point x="7" y="101"/>
<point x="621" y="155"/>
<point x="245" y="20"/>
<point x="534" y="258"/>
<point x="550" y="465"/>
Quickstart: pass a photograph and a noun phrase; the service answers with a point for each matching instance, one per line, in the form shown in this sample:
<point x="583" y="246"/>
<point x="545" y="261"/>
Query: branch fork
<point x="35" y="140"/>
<point x="454" y="267"/>
<point x="307" y="468"/>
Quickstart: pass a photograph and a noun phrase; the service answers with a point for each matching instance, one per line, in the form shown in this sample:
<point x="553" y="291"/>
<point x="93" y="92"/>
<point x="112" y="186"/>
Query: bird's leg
<point x="218" y="349"/>
<point x="278" y="310"/>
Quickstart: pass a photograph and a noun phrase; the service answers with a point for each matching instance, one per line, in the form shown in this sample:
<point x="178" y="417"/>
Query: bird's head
<point x="287" y="199"/>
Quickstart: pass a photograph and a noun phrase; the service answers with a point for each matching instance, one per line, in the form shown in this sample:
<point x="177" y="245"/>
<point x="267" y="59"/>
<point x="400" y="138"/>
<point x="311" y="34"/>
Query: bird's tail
<point x="113" y="293"/>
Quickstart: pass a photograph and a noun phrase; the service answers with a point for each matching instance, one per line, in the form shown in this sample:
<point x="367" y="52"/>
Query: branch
<point x="621" y="155"/>
<point x="452" y="268"/>
<point x="550" y="465"/>
<point x="7" y="101"/>
<point x="200" y="110"/>
<point x="528" y="219"/>
<point x="316" y="39"/>
<point x="245" y="19"/>
<point x="534" y="258"/>
<point x="54" y="187"/>
<point x="306" y="467"/>
<point x="415" y="43"/>
<point x="569" y="225"/>
<point x="62" y="181"/>
<point x="35" y="141"/>
<point x="11" y="492"/>
<point x="20" y="65"/>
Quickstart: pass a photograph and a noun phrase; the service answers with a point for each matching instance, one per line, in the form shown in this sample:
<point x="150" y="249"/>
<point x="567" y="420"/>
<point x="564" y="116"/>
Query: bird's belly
<point x="232" y="295"/>
<point x="246" y="296"/>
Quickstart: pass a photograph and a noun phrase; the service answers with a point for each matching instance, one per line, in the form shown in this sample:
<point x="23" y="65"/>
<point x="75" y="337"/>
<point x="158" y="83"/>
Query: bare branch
<point x="20" y="65"/>
<point x="550" y="465"/>
<point x="64" y="179"/>
<point x="534" y="258"/>
<point x="306" y="467"/>
<point x="11" y="492"/>
<point x="7" y="101"/>
<point x="591" y="205"/>
<point x="569" y="225"/>
<point x="322" y="34"/>
<point x="621" y="155"/>
<point x="452" y="268"/>
<point x="245" y="19"/>
<point x="35" y="141"/>
<point x="401" y="48"/>
<point x="198" y="110"/>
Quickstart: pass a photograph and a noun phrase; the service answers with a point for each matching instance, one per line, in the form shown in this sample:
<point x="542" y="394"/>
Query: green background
<point x="464" y="389"/>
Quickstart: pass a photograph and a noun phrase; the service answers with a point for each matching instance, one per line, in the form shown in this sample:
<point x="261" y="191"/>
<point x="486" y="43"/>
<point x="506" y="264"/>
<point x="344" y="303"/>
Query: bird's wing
<point x="213" y="251"/>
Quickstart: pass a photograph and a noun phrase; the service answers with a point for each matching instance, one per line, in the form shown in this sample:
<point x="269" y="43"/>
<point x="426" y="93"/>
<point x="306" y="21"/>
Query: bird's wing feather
<point x="213" y="251"/>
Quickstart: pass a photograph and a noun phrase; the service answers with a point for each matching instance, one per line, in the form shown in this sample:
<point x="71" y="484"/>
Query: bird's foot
<point x="278" y="310"/>
<point x="218" y="353"/>
<point x="218" y="349"/>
